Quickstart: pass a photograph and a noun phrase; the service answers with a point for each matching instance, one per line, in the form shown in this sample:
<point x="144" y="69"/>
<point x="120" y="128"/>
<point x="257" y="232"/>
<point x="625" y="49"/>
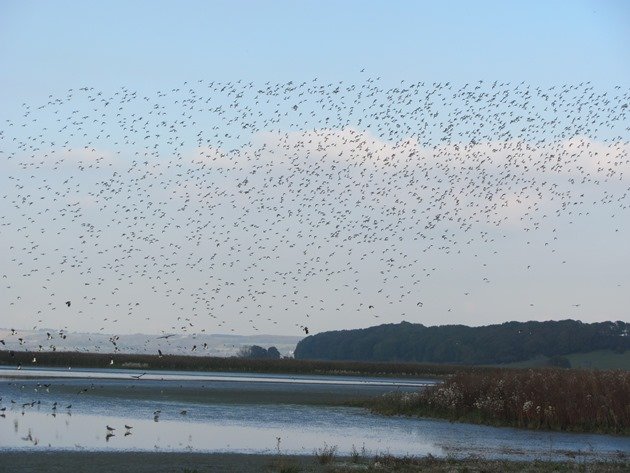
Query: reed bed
<point x="546" y="399"/>
<point x="224" y="364"/>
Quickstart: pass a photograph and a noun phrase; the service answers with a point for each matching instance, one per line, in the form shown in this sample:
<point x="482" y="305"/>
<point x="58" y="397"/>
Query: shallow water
<point x="164" y="375"/>
<point x="218" y="413"/>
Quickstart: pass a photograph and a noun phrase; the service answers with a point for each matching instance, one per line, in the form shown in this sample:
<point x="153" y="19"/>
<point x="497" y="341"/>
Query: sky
<point x="328" y="94"/>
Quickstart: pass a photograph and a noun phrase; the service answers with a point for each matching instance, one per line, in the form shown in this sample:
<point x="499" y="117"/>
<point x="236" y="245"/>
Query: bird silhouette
<point x="252" y="207"/>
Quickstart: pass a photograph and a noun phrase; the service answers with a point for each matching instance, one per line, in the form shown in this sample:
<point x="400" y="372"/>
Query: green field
<point x="599" y="359"/>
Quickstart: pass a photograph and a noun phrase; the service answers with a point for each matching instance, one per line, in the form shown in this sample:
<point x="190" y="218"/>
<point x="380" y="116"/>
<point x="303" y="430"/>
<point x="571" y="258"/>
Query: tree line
<point x="491" y="344"/>
<point x="259" y="353"/>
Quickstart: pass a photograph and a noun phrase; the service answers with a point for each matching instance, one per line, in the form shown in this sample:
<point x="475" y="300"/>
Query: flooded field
<point x="217" y="412"/>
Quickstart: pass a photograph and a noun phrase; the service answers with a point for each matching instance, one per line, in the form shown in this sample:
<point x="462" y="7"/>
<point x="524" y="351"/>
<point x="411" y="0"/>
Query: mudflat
<point x="153" y="462"/>
<point x="161" y="462"/>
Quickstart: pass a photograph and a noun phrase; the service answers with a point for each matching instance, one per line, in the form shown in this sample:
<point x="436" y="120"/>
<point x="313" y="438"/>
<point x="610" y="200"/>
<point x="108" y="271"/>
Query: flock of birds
<point x="240" y="206"/>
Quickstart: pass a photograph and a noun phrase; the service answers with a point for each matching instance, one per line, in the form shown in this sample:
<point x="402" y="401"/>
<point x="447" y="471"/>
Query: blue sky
<point x="51" y="46"/>
<point x="47" y="48"/>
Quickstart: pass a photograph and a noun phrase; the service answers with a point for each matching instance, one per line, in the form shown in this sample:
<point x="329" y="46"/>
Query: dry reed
<point x="551" y="399"/>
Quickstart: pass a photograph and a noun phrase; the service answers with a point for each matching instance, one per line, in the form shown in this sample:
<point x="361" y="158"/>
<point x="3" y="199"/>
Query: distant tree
<point x="273" y="353"/>
<point x="244" y="352"/>
<point x="259" y="353"/>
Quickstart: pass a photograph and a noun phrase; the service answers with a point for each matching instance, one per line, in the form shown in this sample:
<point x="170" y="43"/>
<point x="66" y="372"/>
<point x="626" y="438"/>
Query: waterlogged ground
<point x="216" y="412"/>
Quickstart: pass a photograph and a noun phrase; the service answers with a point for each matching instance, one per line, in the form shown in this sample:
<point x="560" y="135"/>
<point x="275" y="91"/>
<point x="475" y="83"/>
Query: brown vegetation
<point x="552" y="399"/>
<point x="232" y="364"/>
<point x="159" y="462"/>
<point x="387" y="463"/>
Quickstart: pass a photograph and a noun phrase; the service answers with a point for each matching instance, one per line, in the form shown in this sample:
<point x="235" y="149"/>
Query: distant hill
<point x="492" y="344"/>
<point x="177" y="344"/>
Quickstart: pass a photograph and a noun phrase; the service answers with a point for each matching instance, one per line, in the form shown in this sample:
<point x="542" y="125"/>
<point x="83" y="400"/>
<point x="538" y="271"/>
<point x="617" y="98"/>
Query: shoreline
<point x="132" y="362"/>
<point x="62" y="360"/>
<point x="377" y="396"/>
<point x="162" y="462"/>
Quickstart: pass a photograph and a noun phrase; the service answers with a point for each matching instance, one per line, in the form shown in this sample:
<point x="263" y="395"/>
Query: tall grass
<point x="326" y="454"/>
<point x="551" y="399"/>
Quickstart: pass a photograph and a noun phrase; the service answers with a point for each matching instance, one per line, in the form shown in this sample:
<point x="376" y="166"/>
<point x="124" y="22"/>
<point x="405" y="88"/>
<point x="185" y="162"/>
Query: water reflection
<point x="302" y="429"/>
<point x="207" y="416"/>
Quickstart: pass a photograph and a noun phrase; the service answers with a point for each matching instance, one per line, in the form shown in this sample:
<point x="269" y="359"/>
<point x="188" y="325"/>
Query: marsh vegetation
<point x="547" y="399"/>
<point x="222" y="364"/>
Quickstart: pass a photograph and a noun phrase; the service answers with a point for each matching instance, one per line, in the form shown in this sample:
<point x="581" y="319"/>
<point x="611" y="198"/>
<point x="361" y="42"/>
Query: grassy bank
<point x="546" y="399"/>
<point x="434" y="465"/>
<point x="222" y="364"/>
<point x="140" y="462"/>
